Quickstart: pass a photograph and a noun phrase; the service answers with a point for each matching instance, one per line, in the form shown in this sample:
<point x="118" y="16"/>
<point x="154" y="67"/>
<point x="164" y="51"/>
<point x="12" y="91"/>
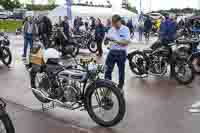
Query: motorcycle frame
<point x="83" y="91"/>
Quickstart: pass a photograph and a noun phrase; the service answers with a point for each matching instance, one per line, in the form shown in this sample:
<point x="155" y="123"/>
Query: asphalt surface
<point x="154" y="105"/>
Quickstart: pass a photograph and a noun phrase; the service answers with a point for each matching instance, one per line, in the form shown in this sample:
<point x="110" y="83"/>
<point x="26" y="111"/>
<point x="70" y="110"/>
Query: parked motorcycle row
<point x="70" y="45"/>
<point x="81" y="85"/>
<point x="6" y="125"/>
<point x="182" y="55"/>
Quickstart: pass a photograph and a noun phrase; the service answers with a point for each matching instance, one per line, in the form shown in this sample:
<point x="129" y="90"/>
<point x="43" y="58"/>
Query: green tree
<point x="51" y="2"/>
<point x="131" y="8"/>
<point x="10" y="4"/>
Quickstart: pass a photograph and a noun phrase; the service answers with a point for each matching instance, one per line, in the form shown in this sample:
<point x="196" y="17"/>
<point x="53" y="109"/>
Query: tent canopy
<point x="84" y="11"/>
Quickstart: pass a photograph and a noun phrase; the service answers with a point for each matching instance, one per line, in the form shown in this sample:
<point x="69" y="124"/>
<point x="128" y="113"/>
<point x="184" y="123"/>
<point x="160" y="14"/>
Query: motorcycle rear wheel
<point x="75" y="52"/>
<point x="138" y="69"/>
<point x="92" y="46"/>
<point x="33" y="77"/>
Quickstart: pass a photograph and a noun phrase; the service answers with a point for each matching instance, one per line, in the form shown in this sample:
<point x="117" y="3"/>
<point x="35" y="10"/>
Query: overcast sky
<point x="146" y="4"/>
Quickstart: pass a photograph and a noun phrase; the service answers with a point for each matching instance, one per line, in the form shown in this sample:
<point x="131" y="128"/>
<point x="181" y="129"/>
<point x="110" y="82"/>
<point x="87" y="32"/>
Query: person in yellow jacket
<point x="158" y="23"/>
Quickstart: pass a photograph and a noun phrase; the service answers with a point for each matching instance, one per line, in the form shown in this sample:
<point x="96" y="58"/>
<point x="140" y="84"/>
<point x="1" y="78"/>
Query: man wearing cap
<point x="119" y="35"/>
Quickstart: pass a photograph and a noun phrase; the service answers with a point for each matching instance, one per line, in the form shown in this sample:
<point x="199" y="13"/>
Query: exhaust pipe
<point x="53" y="100"/>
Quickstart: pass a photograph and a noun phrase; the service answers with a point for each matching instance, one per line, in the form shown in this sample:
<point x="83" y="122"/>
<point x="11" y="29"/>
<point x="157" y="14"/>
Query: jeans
<point x="28" y="40"/>
<point x="140" y="30"/>
<point x="99" y="47"/>
<point x="116" y="57"/>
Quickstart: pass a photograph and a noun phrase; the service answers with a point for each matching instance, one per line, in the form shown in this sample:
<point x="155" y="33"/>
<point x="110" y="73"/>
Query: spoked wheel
<point x="75" y="51"/>
<point x="183" y="72"/>
<point x="6" y="125"/>
<point x="105" y="104"/>
<point x="138" y="62"/>
<point x="92" y="46"/>
<point x="40" y="82"/>
<point x="196" y="64"/>
<point x="6" y="56"/>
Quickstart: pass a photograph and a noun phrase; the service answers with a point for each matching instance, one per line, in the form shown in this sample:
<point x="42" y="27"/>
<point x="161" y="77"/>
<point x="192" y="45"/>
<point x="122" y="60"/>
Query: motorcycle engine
<point x="158" y="65"/>
<point x="71" y="90"/>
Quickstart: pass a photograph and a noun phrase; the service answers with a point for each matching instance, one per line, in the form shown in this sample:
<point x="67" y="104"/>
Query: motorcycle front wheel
<point x="6" y="125"/>
<point x="105" y="103"/>
<point x="196" y="65"/>
<point x="6" y="56"/>
<point x="183" y="72"/>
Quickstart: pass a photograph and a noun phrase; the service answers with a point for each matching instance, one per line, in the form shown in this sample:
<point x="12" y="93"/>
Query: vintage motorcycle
<point x="5" y="53"/>
<point x="190" y="49"/>
<point x="155" y="61"/>
<point x="59" y="41"/>
<point x="6" y="125"/>
<point x="78" y="86"/>
<point x="86" y="39"/>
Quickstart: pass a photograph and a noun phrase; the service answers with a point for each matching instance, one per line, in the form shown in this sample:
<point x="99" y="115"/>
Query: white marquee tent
<point x="84" y="11"/>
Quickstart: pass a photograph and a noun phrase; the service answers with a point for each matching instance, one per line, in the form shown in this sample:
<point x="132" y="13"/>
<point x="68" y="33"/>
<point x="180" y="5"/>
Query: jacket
<point x="168" y="30"/>
<point x="34" y="30"/>
<point x="148" y="25"/>
<point x="99" y="32"/>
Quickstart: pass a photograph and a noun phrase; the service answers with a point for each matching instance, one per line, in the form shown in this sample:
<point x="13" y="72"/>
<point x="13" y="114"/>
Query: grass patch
<point x="10" y="25"/>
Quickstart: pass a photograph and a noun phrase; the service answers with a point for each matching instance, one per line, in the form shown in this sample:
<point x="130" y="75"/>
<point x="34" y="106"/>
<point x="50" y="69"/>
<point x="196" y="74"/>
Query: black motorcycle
<point x="156" y="60"/>
<point x="81" y="87"/>
<point x="6" y="124"/>
<point x="66" y="45"/>
<point x="5" y="53"/>
<point x="86" y="39"/>
<point x="190" y="49"/>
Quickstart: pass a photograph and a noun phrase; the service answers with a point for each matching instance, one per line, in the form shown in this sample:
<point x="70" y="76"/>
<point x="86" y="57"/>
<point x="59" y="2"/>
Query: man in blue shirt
<point x="119" y="35"/>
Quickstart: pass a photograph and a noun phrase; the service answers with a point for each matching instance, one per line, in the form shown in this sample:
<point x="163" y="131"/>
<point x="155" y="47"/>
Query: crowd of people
<point x="116" y="30"/>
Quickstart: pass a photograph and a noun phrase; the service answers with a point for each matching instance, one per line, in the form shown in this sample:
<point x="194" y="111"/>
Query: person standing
<point x="108" y="25"/>
<point x="45" y="30"/>
<point x="66" y="27"/>
<point x="99" y="36"/>
<point x="119" y="35"/>
<point x="167" y="30"/>
<point x="140" y="27"/>
<point x="147" y="27"/>
<point x="131" y="28"/>
<point x="30" y="30"/>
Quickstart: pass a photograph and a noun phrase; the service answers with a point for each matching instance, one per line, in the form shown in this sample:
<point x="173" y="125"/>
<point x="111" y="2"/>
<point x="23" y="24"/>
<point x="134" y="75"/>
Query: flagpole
<point x="69" y="9"/>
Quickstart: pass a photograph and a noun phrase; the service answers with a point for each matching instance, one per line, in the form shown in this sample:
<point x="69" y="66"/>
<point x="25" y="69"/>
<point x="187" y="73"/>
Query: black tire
<point x="5" y="119"/>
<point x="90" y="47"/>
<point x="75" y="52"/>
<point x="196" y="64"/>
<point x="132" y="64"/>
<point x="8" y="54"/>
<point x="183" y="63"/>
<point x="112" y="87"/>
<point x="33" y="74"/>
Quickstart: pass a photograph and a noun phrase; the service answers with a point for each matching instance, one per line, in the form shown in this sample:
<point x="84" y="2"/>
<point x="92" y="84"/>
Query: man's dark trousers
<point x="116" y="57"/>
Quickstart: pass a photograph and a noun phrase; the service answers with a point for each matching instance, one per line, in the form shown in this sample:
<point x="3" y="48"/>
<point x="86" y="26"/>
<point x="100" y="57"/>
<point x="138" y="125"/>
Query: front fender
<point x="194" y="55"/>
<point x="97" y="82"/>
